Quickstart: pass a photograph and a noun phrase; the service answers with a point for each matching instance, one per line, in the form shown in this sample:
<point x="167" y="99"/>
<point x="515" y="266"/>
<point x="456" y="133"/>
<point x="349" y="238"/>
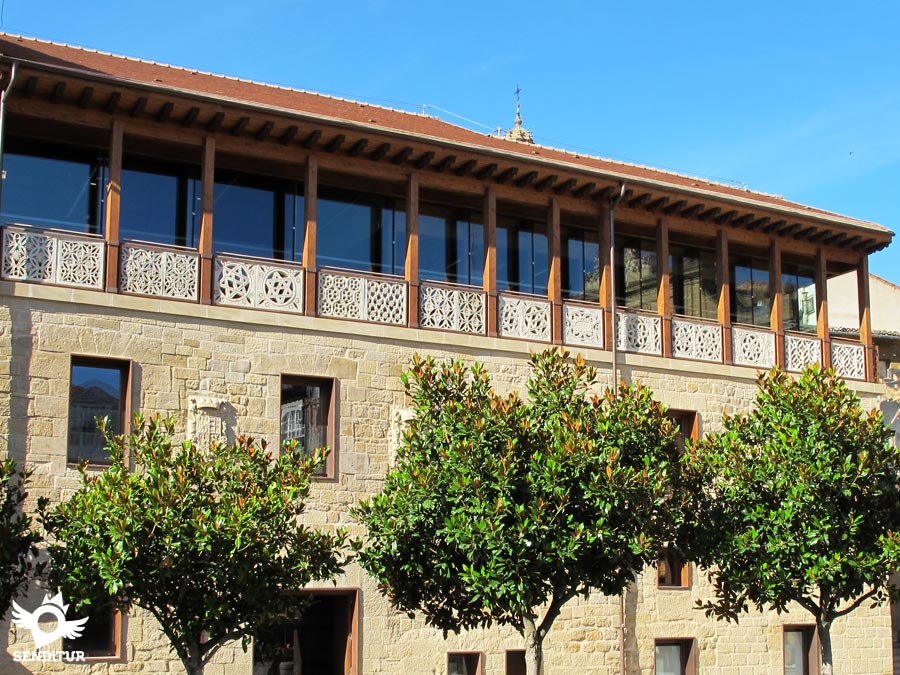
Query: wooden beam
<point x="583" y="190"/>
<point x="554" y="280"/>
<point x="289" y="134"/>
<point x="776" y="299"/>
<point x="758" y="223"/>
<point x="506" y="175"/>
<point x="726" y="217"/>
<point x="357" y="148"/>
<point x="852" y="242"/>
<point x="743" y="220"/>
<point x="165" y="112"/>
<point x="240" y="125"/>
<point x="424" y="160"/>
<point x="85" y="99"/>
<point x="820" y="235"/>
<point x="602" y="195"/>
<point x="113" y="207"/>
<point x="822" y="329"/>
<point x="207" y="197"/>
<point x="335" y="143"/>
<point x="312" y="138"/>
<point x="836" y="239"/>
<point x="264" y="131"/>
<point x="865" y="316"/>
<point x="59" y="89"/>
<point x="605" y="295"/>
<point x="657" y="204"/>
<point x="379" y="152"/>
<point x="489" y="279"/>
<point x="215" y="122"/>
<point x="411" y="268"/>
<point x="710" y="214"/>
<point x="675" y="207"/>
<point x="30" y="85"/>
<point x="486" y="172"/>
<point x="663" y="287"/>
<point x="789" y="229"/>
<point x="310" y="215"/>
<point x="112" y="103"/>
<point x="691" y="211"/>
<point x="139" y="106"/>
<point x="771" y="227"/>
<point x="190" y="117"/>
<point x="546" y="182"/>
<point x="402" y="156"/>
<point x="723" y="282"/>
<point x="639" y="201"/>
<point x="466" y="168"/>
<point x="445" y="163"/>
<point x="565" y="186"/>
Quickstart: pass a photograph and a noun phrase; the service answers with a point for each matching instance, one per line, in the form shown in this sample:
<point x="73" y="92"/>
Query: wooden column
<point x="664" y="288"/>
<point x="776" y="300"/>
<point x="113" y="199"/>
<point x="822" y="329"/>
<point x="554" y="283"/>
<point x="606" y="300"/>
<point x="310" y="215"/>
<point x="207" y="187"/>
<point x="490" y="260"/>
<point x="412" y="248"/>
<point x="865" y="317"/>
<point x="723" y="281"/>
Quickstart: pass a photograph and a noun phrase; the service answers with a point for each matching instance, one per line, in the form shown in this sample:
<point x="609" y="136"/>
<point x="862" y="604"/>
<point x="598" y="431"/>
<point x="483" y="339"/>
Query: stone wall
<point x="180" y="351"/>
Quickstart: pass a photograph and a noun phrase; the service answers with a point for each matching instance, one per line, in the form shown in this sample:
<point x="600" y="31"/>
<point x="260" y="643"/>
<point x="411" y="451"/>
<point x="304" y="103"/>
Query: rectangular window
<point x="750" y="291"/>
<point x="515" y="662"/>
<point x="360" y="231"/>
<point x="98" y="388"/>
<point x="687" y="424"/>
<point x="580" y="264"/>
<point x="675" y="657"/>
<point x="258" y="216"/>
<point x="465" y="663"/>
<point x="692" y="273"/>
<point x="801" y="650"/>
<point x="54" y="186"/>
<point x="672" y="570"/>
<point x="451" y="244"/>
<point x="101" y="635"/>
<point x="522" y="256"/>
<point x="308" y="416"/>
<point x="798" y="287"/>
<point x="160" y="202"/>
<point x="637" y="276"/>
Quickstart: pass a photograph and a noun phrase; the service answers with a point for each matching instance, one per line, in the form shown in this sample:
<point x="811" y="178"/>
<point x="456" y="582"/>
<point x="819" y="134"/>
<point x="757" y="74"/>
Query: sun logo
<point x="53" y="606"/>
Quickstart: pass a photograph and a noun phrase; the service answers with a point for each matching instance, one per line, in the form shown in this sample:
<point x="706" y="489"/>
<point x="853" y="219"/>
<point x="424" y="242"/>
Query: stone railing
<point x="450" y="307"/>
<point x="263" y="284"/>
<point x="583" y="325"/>
<point x="53" y="257"/>
<point x="801" y="351"/>
<point x="524" y="317"/>
<point x="753" y="347"/>
<point x="639" y="333"/>
<point x="352" y="295"/>
<point x="696" y="339"/>
<point x="848" y="359"/>
<point x="158" y="271"/>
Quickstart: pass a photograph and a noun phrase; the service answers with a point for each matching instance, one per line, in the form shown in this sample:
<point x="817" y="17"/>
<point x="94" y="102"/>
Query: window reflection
<point x="798" y="285"/>
<point x="580" y="264"/>
<point x="693" y="281"/>
<point x="160" y="203"/>
<point x="451" y="244"/>
<point x="522" y="256"/>
<point x="750" y="291"/>
<point x="636" y="273"/>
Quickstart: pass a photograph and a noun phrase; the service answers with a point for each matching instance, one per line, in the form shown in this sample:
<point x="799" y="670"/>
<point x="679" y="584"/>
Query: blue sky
<point x="800" y="99"/>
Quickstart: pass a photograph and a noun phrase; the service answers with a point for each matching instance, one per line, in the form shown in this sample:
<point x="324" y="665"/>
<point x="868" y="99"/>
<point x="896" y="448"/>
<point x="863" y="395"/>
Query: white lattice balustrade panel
<point x="241" y="283"/>
<point x="753" y="347"/>
<point x="696" y="340"/>
<point x="53" y="258"/>
<point x="524" y="318"/>
<point x="849" y="360"/>
<point x="583" y="326"/>
<point x="165" y="274"/>
<point x="345" y="296"/>
<point x="800" y="352"/>
<point x="451" y="309"/>
<point x="638" y="333"/>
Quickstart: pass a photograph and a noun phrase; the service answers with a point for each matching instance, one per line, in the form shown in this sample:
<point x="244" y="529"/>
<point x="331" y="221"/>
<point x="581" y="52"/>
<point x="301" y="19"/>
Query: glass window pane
<point x="794" y="657"/>
<point x="305" y="406"/>
<point x="95" y="391"/>
<point x="799" y="291"/>
<point x="750" y="291"/>
<point x="573" y="268"/>
<point x="541" y="265"/>
<point x="693" y="282"/>
<point x="522" y="256"/>
<point x="668" y="659"/>
<point x="636" y="273"/>
<point x="160" y="206"/>
<point x="244" y="221"/>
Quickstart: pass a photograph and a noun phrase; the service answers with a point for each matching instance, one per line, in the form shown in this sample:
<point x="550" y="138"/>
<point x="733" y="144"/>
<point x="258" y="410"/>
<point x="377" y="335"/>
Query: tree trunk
<point x="823" y="628"/>
<point x="193" y="664"/>
<point x="534" y="648"/>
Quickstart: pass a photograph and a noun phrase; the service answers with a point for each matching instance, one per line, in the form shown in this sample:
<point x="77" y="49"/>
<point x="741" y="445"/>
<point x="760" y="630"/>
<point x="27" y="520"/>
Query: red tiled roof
<point x="144" y="72"/>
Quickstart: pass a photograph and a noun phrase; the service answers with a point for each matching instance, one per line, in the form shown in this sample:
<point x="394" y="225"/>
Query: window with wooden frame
<point x="308" y="416"/>
<point x="102" y="635"/>
<point x="637" y="275"/>
<point x="801" y="650"/>
<point x="687" y="423"/>
<point x="672" y="570"/>
<point x="675" y="657"/>
<point x="465" y="663"/>
<point x="98" y="388"/>
<point x="515" y="662"/>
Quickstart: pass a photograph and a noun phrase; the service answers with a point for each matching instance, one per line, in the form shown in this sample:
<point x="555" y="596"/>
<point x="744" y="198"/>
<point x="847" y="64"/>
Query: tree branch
<point x="856" y="603"/>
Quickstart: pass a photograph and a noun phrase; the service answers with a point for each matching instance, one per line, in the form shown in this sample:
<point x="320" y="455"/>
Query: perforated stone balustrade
<point x="158" y="271"/>
<point x="348" y="295"/>
<point x="698" y="340"/>
<point x="451" y="308"/>
<point x="53" y="257"/>
<point x="527" y="318"/>
<point x="244" y="282"/>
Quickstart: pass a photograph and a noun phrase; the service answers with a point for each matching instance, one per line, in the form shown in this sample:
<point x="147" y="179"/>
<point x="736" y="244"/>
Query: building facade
<point x="252" y="259"/>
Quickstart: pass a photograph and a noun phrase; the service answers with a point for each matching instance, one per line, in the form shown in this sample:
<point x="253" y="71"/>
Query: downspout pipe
<point x="6" y="90"/>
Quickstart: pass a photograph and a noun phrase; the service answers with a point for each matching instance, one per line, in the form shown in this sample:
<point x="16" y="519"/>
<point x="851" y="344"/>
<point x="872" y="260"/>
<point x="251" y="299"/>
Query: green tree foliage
<point x="501" y="510"/>
<point x="206" y="539"/>
<point x="797" y="502"/>
<point x="18" y="542"/>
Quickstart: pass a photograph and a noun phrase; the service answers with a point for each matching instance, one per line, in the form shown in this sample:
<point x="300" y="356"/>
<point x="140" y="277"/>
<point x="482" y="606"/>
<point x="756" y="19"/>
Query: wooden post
<point x="723" y="281"/>
<point x="776" y="299"/>
<point x="207" y="187"/>
<point x="607" y="302"/>
<point x="412" y="248"/>
<point x="310" y="214"/>
<point x="865" y="318"/>
<point x="554" y="283"/>
<point x="664" y="289"/>
<point x="113" y="199"/>
<point x="490" y="259"/>
<point x="822" y="329"/>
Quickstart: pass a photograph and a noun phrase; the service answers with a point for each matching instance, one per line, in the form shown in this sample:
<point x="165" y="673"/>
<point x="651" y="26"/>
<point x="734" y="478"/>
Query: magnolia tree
<point x="501" y="510"/>
<point x="18" y="542"/>
<point x="797" y="502"/>
<point x="208" y="540"/>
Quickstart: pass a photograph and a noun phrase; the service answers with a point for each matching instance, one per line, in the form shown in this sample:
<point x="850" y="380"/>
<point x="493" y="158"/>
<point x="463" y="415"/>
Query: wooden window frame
<point x="331" y="434"/>
<point x="479" y="660"/>
<point x="688" y="653"/>
<point x="811" y="647"/>
<point x="673" y="560"/>
<point x="506" y="660"/>
<point x="116" y="640"/>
